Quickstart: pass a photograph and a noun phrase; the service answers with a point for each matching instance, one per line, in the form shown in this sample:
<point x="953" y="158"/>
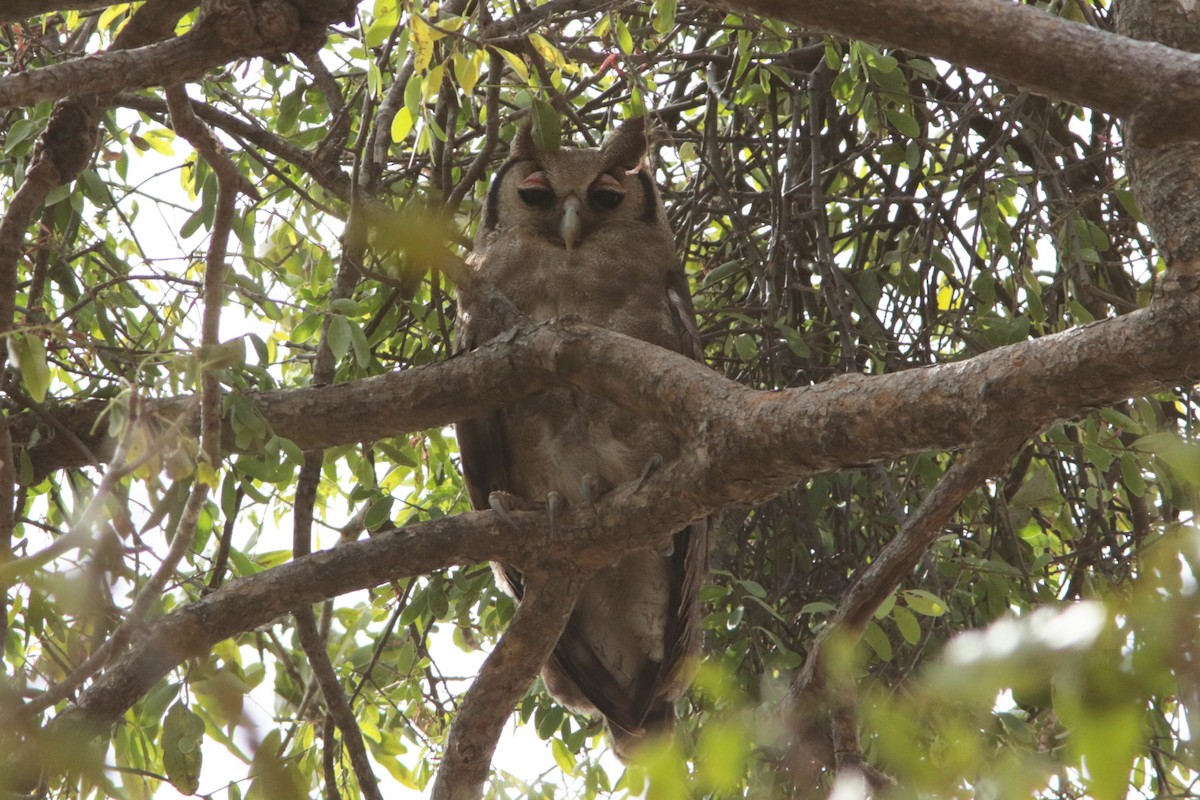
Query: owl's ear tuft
<point x="626" y="146"/>
<point x="522" y="147"/>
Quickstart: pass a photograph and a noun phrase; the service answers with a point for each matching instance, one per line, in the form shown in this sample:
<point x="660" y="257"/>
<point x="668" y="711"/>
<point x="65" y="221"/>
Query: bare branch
<point x="330" y="177"/>
<point x="16" y="10"/>
<point x="189" y="126"/>
<point x="313" y="644"/>
<point x="1017" y="42"/>
<point x="503" y="680"/>
<point x="340" y="710"/>
<point x="229" y="30"/>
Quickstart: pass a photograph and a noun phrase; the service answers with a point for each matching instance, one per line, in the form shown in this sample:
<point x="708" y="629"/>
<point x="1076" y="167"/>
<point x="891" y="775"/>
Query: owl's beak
<point x="569" y="227"/>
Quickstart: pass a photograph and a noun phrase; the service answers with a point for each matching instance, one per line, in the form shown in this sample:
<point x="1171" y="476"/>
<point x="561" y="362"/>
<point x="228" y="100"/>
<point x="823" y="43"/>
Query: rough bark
<point x="1165" y="168"/>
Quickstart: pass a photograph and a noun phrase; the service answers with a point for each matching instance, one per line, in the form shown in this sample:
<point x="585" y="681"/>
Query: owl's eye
<point x="605" y="199"/>
<point x="538" y="198"/>
<point x="535" y="191"/>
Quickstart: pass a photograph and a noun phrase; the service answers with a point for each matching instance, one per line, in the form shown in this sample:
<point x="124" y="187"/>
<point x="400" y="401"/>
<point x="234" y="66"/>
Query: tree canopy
<point x="946" y="260"/>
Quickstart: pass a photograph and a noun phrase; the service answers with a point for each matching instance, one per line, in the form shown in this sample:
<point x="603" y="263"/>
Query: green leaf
<point x="924" y="603"/>
<point x="624" y="37"/>
<point x="753" y="588"/>
<point x="547" y="127"/>
<point x="182" y="733"/>
<point x="874" y="636"/>
<point x="339" y="336"/>
<point x="362" y="349"/>
<point x="1131" y="475"/>
<point x="721" y="753"/>
<point x="18" y="132"/>
<point x="466" y="70"/>
<point x="903" y="122"/>
<point x="907" y="624"/>
<point x="562" y="756"/>
<point x="379" y="513"/>
<point x="29" y="353"/>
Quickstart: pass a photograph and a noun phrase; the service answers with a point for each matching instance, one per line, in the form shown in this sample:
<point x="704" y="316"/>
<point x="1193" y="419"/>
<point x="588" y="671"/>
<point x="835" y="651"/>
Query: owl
<point x="583" y="233"/>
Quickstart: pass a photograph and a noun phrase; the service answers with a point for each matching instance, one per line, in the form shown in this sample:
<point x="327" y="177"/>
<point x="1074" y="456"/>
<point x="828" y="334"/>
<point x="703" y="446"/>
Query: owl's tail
<point x="659" y="722"/>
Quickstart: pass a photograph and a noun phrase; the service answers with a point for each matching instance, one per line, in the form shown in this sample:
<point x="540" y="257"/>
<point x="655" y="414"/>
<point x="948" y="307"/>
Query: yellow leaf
<point x="110" y="14"/>
<point x="402" y="124"/>
<point x="433" y="83"/>
<point x="547" y="50"/>
<point x="466" y="70"/>
<point x="514" y="61"/>
<point x="945" y="297"/>
<point x="422" y="41"/>
<point x="160" y="141"/>
<point x="207" y="475"/>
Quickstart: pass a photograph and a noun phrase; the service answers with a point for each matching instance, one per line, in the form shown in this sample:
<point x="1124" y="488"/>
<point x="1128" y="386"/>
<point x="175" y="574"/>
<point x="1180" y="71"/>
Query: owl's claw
<point x="653" y="463"/>
<point x="554" y="507"/>
<point x="501" y="503"/>
<point x="589" y="487"/>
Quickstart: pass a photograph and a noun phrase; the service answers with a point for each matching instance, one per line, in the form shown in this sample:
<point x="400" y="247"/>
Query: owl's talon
<point x="653" y="463"/>
<point x="589" y="487"/>
<point x="501" y="503"/>
<point x="554" y="507"/>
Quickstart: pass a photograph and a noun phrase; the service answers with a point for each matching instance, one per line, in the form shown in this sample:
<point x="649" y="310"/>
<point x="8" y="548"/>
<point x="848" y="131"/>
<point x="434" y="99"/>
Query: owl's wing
<point x="688" y="566"/>
<point x="482" y="441"/>
<point x="683" y="314"/>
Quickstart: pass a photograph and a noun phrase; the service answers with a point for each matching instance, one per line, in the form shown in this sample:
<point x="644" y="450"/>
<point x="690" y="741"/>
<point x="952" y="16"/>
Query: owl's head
<point x="567" y="194"/>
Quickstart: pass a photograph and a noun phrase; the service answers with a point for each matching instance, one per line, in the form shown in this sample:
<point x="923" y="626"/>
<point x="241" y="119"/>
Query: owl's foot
<point x="503" y="503"/>
<point x="653" y="463"/>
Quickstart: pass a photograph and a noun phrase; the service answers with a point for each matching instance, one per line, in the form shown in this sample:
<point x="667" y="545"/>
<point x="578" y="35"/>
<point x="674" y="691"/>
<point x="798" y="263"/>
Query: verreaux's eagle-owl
<point x="583" y="232"/>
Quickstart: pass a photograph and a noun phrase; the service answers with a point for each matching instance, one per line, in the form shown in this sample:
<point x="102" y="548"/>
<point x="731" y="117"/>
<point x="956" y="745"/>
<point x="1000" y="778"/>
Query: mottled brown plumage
<point x="582" y="232"/>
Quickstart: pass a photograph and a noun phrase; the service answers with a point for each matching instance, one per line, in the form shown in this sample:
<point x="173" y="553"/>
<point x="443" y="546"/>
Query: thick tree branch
<point x="852" y="420"/>
<point x="16" y="10"/>
<point x="1016" y="42"/>
<point x="1164" y="171"/>
<point x="503" y="680"/>
<point x="227" y="31"/>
